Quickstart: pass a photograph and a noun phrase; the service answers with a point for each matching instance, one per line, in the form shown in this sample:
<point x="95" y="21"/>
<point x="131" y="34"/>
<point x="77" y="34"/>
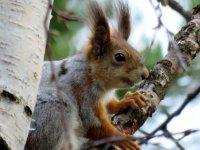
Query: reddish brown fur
<point x="115" y="106"/>
<point x="77" y="90"/>
<point x="134" y="100"/>
<point x="89" y="79"/>
<point x="106" y="129"/>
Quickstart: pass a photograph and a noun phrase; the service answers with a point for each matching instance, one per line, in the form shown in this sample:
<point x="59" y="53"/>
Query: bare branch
<point x="146" y="139"/>
<point x="170" y="136"/>
<point x="69" y="16"/>
<point x="177" y="7"/>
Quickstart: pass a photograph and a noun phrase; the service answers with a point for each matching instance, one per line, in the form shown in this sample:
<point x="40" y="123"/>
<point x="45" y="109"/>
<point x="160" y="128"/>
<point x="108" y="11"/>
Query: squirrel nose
<point x="144" y="74"/>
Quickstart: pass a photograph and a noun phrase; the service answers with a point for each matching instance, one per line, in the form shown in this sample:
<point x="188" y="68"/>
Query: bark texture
<point x="187" y="43"/>
<point x="22" y="47"/>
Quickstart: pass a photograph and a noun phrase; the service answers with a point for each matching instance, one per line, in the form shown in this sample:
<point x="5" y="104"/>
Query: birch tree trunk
<point x="22" y="47"/>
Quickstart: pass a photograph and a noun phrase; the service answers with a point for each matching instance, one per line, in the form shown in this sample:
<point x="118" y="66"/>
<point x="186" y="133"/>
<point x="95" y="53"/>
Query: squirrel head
<point x="113" y="61"/>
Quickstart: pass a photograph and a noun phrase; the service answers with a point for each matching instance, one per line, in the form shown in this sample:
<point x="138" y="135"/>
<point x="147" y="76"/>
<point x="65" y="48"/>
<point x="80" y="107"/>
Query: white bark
<point x="22" y="46"/>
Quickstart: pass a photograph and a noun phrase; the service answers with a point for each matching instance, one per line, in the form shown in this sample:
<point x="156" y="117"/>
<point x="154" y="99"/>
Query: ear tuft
<point x="124" y="22"/>
<point x="98" y="24"/>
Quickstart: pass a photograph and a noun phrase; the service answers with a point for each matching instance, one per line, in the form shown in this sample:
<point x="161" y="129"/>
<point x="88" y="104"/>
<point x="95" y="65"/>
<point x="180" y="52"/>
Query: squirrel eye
<point x="119" y="57"/>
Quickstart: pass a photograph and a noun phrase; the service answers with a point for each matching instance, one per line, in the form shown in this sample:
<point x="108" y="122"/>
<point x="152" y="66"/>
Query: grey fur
<point x="56" y="112"/>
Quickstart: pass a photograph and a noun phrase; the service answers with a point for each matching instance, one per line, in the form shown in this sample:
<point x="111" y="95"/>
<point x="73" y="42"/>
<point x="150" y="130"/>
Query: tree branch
<point x="188" y="42"/>
<point x="177" y="7"/>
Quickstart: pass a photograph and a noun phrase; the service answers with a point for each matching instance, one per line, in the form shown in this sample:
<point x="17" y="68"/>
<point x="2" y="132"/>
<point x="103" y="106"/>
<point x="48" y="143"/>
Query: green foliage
<point x="62" y="32"/>
<point x="60" y="42"/>
<point x="122" y="92"/>
<point x="152" y="56"/>
<point x="195" y="3"/>
<point x="60" y="4"/>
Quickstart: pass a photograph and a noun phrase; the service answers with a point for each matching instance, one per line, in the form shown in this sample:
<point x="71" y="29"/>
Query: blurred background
<point x="68" y="33"/>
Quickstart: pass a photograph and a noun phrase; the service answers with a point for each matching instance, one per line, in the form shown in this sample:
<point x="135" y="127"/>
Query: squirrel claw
<point x="135" y="100"/>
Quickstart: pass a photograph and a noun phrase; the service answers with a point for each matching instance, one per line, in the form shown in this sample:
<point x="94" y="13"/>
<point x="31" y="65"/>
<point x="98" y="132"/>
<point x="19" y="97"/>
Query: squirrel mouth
<point x="127" y="81"/>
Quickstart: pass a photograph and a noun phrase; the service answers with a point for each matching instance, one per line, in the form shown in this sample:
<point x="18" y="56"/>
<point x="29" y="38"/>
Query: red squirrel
<point x="105" y="64"/>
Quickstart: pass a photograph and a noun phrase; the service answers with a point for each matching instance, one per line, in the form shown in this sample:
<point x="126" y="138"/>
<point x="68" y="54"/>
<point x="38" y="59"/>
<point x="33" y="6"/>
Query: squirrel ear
<point x="99" y="25"/>
<point x="124" y="22"/>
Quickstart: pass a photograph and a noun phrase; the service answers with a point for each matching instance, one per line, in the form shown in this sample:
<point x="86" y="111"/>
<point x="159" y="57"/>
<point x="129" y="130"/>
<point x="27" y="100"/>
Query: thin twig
<point x="169" y="135"/>
<point x="54" y="77"/>
<point x="188" y="99"/>
<point x="66" y="15"/>
<point x="177" y="7"/>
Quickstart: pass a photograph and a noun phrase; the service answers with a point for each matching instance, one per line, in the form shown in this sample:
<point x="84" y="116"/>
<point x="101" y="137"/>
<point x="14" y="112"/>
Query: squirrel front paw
<point x="134" y="100"/>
